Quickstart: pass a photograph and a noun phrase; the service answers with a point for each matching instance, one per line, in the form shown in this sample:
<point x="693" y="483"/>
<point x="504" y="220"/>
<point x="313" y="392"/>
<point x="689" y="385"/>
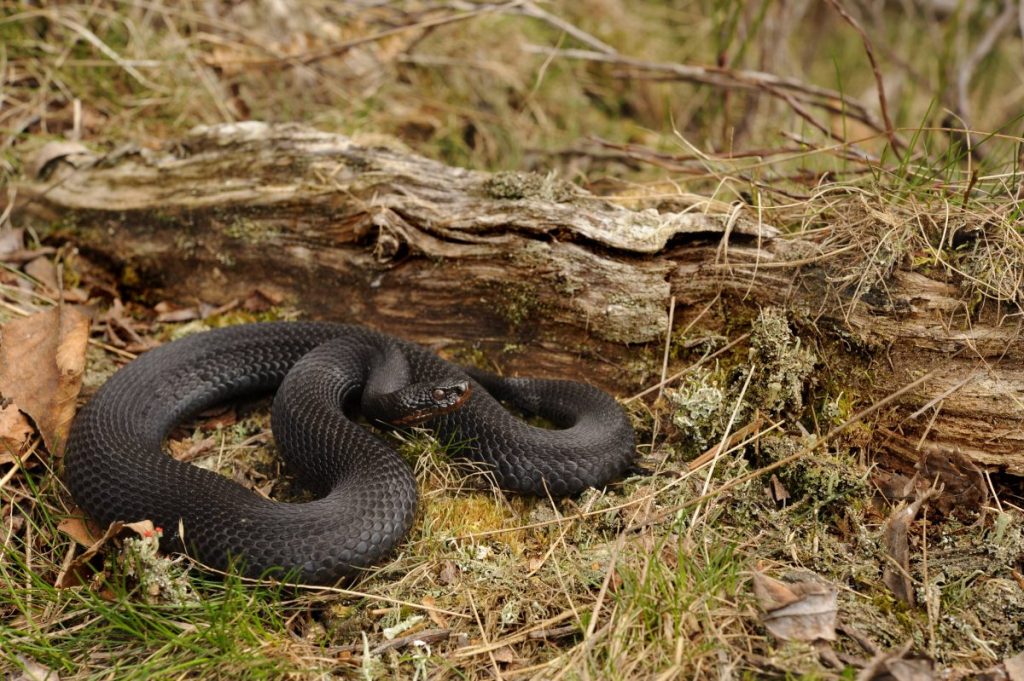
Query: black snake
<point x="116" y="469"/>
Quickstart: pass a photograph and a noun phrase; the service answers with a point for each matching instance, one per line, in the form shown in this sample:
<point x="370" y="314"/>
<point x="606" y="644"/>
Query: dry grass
<point x="651" y="102"/>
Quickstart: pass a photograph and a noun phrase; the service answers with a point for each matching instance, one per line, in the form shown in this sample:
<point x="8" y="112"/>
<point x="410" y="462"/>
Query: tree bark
<point x="541" y="276"/>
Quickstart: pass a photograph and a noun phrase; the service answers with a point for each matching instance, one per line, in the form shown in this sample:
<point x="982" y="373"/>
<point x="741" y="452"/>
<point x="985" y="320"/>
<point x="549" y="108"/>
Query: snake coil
<point x="116" y="468"/>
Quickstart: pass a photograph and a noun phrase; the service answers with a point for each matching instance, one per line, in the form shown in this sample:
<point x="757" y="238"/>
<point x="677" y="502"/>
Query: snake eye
<point x="438" y="394"/>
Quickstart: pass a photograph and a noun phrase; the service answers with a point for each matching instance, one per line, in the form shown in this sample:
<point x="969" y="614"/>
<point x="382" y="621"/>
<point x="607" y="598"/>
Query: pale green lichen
<point x="161" y="579"/>
<point x="700" y="408"/>
<point x="781" y="364"/>
<point x="511" y="186"/>
<point x="827" y="481"/>
<point x="249" y="231"/>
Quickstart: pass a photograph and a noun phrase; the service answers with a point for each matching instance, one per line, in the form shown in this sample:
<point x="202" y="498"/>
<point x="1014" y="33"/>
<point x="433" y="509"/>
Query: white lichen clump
<point x="781" y="362"/>
<point x="161" y="578"/>
<point x="699" y="405"/>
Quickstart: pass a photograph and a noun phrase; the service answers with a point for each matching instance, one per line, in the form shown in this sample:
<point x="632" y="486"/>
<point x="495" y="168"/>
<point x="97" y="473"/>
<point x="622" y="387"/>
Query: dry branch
<point x="788" y="89"/>
<point x="541" y="276"/>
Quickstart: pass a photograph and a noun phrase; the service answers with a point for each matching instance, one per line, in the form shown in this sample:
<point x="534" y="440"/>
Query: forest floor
<point x="722" y="563"/>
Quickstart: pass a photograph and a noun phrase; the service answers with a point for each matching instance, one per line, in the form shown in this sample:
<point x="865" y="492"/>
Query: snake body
<point x="324" y="373"/>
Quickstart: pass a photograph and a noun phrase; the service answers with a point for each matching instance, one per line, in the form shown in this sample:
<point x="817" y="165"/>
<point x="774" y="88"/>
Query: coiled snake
<point x="116" y="469"/>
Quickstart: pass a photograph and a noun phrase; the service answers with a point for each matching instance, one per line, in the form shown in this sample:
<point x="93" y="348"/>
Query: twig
<point x="554" y="632"/>
<point x="736" y="437"/>
<point x="744" y="79"/>
<point x="890" y="131"/>
<point x="329" y="589"/>
<point x="341" y="48"/>
<point x="521" y="635"/>
<point x="965" y="74"/>
<point x="722" y="350"/>
<point x="429" y="636"/>
<point x="668" y="345"/>
<point x="531" y="10"/>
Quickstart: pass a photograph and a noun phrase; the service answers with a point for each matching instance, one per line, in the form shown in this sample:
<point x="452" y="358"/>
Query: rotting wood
<point x="538" y="274"/>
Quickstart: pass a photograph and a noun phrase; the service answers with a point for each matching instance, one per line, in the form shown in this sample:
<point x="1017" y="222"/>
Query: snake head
<point x="420" y="402"/>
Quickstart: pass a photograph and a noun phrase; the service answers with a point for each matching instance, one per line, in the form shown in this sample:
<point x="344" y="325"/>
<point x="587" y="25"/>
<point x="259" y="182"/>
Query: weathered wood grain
<point x="538" y="274"/>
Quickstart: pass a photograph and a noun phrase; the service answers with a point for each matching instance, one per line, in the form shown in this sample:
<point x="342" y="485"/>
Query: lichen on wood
<point x="536" y="272"/>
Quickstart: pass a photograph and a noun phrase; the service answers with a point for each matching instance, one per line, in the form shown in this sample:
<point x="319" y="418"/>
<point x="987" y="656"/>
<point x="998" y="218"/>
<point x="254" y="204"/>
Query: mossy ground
<point x="650" y="578"/>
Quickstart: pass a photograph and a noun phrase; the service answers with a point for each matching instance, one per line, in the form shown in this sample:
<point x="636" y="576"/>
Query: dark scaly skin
<point x="116" y="469"/>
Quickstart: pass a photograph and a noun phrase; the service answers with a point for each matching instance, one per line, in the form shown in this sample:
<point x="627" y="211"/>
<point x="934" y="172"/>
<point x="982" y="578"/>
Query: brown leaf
<point x="505" y="655"/>
<point x="449" y="573"/>
<point x="143" y="528"/>
<point x="76" y="572"/>
<point x="897" y="665"/>
<point x="44" y="271"/>
<point x="33" y="671"/>
<point x="79" y="529"/>
<point x="1014" y="667"/>
<point x="437" y="618"/>
<point x="801" y="611"/>
<point x="912" y="669"/>
<point x="778" y="491"/>
<point x="186" y="314"/>
<point x="262" y="299"/>
<point x="11" y="241"/>
<point x="896" y="537"/>
<point x="42" y="358"/>
<point x="43" y="163"/>
<point x="15" y="431"/>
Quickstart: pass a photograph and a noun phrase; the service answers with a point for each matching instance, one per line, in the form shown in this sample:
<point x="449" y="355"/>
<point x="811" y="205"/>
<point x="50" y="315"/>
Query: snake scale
<point x="324" y="374"/>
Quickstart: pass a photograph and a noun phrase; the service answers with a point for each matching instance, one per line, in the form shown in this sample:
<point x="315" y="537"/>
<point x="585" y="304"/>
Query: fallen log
<point x="539" y="275"/>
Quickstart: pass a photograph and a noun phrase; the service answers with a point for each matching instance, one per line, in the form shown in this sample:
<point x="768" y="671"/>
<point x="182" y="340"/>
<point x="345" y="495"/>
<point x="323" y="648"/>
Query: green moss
<point x="516" y="303"/>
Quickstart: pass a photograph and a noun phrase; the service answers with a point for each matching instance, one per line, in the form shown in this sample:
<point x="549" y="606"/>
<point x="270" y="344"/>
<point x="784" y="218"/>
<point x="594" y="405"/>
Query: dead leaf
<point x="898" y="666"/>
<point x="261" y="300"/>
<point x="11" y="241"/>
<point x="801" y="611"/>
<point x="187" y="450"/>
<point x="122" y="331"/>
<point x="449" y="573"/>
<point x="51" y="153"/>
<point x="82" y="531"/>
<point x="144" y="528"/>
<point x="896" y="537"/>
<point x="15" y="431"/>
<point x="42" y="358"/>
<point x="33" y="671"/>
<point x="912" y="669"/>
<point x="44" y="271"/>
<point x="75" y="573"/>
<point x="437" y="618"/>
<point x="778" y="491"/>
<point x="168" y="313"/>
<point x="1014" y="667"/>
<point x="505" y="655"/>
<point x="223" y="416"/>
